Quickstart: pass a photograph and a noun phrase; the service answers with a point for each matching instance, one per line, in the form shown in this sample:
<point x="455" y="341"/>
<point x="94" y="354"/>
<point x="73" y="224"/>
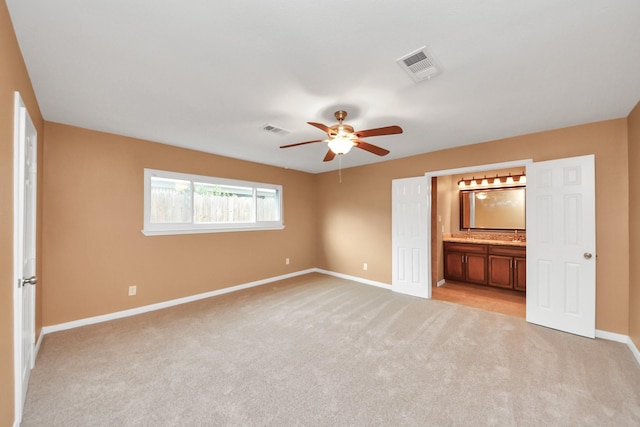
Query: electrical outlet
<point x="132" y="290"/>
<point x="365" y="266"/>
<point x="286" y="261"/>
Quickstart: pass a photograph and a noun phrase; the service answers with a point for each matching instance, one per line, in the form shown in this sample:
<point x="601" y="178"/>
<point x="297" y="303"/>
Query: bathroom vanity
<point x="486" y="262"/>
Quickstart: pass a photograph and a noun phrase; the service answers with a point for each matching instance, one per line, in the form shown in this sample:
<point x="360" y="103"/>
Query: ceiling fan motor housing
<point x="341" y="129"/>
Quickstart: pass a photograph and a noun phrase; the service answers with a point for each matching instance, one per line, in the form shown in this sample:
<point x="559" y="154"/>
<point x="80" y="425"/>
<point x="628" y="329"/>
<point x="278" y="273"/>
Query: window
<point x="178" y="203"/>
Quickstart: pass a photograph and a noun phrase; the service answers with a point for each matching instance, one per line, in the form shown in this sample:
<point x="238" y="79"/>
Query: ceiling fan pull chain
<point x="340" y="168"/>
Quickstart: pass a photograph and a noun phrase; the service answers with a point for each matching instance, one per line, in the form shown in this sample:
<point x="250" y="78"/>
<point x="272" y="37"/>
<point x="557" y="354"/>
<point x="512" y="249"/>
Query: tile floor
<point x="505" y="301"/>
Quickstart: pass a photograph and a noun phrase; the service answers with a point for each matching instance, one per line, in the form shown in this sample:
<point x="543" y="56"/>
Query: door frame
<point x="19" y="153"/>
<point x="457" y="171"/>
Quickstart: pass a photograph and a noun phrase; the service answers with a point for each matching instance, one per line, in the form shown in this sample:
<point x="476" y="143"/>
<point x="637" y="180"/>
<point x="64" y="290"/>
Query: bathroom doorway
<point x="446" y="225"/>
<point x="555" y="263"/>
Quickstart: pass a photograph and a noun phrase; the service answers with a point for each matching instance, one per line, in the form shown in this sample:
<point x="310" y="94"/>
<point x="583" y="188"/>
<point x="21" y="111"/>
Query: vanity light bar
<point x="474" y="182"/>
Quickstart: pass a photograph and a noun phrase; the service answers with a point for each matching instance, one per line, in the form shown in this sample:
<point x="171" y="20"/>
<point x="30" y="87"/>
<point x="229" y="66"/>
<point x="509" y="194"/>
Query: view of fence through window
<point x="170" y="201"/>
<point x="180" y="201"/>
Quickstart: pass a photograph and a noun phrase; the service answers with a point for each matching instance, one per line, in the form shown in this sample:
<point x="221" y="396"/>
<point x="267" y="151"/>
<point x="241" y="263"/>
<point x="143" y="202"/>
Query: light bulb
<point x="340" y="145"/>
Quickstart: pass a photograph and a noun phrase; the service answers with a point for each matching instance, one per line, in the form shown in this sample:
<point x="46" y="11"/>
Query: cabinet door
<point x="476" y="268"/>
<point x="520" y="274"/>
<point x="500" y="273"/>
<point x="453" y="266"/>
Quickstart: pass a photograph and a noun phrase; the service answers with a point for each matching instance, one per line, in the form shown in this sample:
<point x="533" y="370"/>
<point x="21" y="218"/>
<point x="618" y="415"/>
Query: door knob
<point x="587" y="255"/>
<point x="29" y="281"/>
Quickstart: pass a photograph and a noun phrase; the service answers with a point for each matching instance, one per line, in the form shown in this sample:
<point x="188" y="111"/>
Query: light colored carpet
<point x="322" y="351"/>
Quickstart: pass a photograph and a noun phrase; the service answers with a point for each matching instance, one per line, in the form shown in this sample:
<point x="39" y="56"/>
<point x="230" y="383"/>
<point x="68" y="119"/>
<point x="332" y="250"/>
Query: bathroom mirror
<point x="493" y="209"/>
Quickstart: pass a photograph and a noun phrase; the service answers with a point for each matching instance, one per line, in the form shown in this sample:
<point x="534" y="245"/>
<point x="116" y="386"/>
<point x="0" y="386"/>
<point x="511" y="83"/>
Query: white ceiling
<point x="208" y="75"/>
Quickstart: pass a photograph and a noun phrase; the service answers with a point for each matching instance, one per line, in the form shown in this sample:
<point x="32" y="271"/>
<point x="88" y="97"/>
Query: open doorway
<point x="478" y="238"/>
<point x="558" y="263"/>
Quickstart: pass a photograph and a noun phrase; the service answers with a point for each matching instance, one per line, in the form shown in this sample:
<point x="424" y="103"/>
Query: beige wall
<point x="13" y="77"/>
<point x="93" y="245"/>
<point x="356" y="214"/>
<point x="634" y="225"/>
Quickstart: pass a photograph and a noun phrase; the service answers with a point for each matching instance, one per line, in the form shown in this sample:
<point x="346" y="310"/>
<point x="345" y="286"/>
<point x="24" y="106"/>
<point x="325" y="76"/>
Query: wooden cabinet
<point x="501" y="271"/>
<point x="520" y="273"/>
<point x="465" y="262"/>
<point x="508" y="267"/>
<point x="486" y="264"/>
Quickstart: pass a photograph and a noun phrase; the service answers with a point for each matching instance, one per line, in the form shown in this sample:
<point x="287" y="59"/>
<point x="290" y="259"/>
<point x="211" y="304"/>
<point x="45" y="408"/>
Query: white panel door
<point x="409" y="236"/>
<point x="561" y="258"/>
<point x="25" y="177"/>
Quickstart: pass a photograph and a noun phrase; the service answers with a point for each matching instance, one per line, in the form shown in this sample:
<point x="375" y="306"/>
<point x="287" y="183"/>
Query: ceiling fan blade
<point x="301" y="143"/>
<point x="322" y="127"/>
<point x="371" y="148"/>
<point x="330" y="156"/>
<point x="388" y="130"/>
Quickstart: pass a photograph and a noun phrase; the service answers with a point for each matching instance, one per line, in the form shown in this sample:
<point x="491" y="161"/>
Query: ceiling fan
<point x="342" y="137"/>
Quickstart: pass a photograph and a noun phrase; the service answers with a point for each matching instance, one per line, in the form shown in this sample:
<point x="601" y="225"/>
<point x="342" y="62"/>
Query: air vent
<point x="275" y="129"/>
<point x="420" y="64"/>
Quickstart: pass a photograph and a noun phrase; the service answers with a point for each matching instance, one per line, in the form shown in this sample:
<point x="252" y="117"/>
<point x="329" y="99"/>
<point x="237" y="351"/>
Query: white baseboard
<point x="634" y="350"/>
<point x="611" y="336"/>
<point x="165" y="304"/>
<point x="624" y="339"/>
<point x="354" y="279"/>
<point x="36" y="349"/>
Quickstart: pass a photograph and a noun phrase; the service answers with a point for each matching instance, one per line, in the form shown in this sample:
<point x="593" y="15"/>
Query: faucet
<point x="469" y="233"/>
<point x="515" y="237"/>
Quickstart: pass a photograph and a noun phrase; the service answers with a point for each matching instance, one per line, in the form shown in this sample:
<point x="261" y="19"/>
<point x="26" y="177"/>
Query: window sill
<point x="210" y="230"/>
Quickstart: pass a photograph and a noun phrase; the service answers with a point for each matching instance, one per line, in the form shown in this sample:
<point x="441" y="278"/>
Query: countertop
<point x="485" y="241"/>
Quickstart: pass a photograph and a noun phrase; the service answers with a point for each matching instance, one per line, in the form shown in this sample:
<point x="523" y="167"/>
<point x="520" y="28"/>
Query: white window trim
<point x="150" y="229"/>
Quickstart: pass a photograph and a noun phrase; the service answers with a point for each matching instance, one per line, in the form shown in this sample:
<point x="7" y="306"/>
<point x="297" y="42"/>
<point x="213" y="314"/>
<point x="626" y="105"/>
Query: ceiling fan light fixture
<point x="341" y="144"/>
<point x="342" y="137"/>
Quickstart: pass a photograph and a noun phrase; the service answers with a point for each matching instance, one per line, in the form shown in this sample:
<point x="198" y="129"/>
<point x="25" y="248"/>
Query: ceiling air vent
<point x="275" y="129"/>
<point x="420" y="64"/>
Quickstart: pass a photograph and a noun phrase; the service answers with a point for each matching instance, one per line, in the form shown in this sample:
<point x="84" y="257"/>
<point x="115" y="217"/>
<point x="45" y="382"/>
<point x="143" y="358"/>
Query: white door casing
<point x="561" y="257"/>
<point x="410" y="258"/>
<point x="25" y="181"/>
